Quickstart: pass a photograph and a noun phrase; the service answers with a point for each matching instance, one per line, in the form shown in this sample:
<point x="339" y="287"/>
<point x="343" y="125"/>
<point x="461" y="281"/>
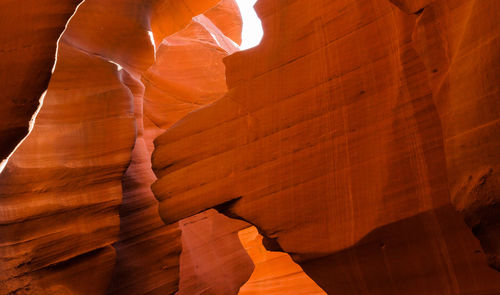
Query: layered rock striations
<point x="178" y="82"/>
<point x="28" y="40"/>
<point x="356" y="138"/>
<point x="188" y="74"/>
<point x="60" y="191"/>
<point x="459" y="45"/>
<point x="361" y="138"/>
<point x="148" y="251"/>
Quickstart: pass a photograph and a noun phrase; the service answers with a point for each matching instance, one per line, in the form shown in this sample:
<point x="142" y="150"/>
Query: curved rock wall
<point x="60" y="191"/>
<point x="357" y="137"/>
<point x="341" y="139"/>
<point x="28" y="40"/>
<point x="148" y="252"/>
<point x="275" y="272"/>
<point x="213" y="260"/>
<point x="459" y="45"/>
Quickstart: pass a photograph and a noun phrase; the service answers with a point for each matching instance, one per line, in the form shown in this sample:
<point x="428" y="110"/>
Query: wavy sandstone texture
<point x="148" y="252"/>
<point x="357" y="137"/>
<point x="60" y="192"/>
<point x="28" y="37"/>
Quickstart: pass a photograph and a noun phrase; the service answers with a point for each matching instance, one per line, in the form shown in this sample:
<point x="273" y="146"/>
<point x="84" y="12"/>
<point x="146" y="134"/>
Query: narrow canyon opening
<point x="252" y="31"/>
<point x="190" y="147"/>
<point x="275" y="272"/>
<point x="217" y="247"/>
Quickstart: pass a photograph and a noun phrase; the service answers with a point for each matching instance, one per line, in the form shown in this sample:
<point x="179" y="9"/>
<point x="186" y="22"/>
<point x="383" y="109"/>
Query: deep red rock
<point x="28" y="40"/>
<point x="61" y="189"/>
<point x="339" y="140"/>
<point x="361" y="138"/>
<point x="463" y="77"/>
<point x="275" y="272"/>
<point x="188" y="74"/>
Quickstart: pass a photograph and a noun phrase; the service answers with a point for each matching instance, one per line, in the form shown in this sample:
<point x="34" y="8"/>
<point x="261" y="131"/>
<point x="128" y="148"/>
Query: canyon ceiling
<point x="355" y="150"/>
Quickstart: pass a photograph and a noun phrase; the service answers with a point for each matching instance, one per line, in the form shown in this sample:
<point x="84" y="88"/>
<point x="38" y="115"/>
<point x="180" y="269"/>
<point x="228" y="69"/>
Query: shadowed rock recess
<point x="360" y="139"/>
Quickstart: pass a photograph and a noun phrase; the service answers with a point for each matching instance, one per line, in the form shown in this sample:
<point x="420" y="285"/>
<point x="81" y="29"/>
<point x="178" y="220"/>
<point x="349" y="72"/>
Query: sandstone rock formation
<point x="275" y="272"/>
<point x="148" y="251"/>
<point x="61" y="189"/>
<point x="361" y="138"/>
<point x="28" y="37"/>
<point x="213" y="260"/>
<point x="351" y="137"/>
<point x="459" y="44"/>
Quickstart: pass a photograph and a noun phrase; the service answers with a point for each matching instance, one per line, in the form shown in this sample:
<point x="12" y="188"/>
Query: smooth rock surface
<point x="29" y="31"/>
<point x="148" y="251"/>
<point x="361" y="138"/>
<point x="213" y="260"/>
<point x="60" y="191"/>
<point x="335" y="142"/>
<point x="275" y="272"/>
<point x="188" y="74"/>
<point x="464" y="76"/>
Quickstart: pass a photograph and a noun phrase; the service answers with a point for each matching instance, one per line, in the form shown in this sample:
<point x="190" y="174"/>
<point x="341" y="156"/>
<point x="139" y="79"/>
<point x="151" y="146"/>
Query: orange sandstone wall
<point x="358" y="137"/>
<point x="60" y="192"/>
<point x="188" y="74"/>
<point x="148" y="251"/>
<point x="213" y="260"/>
<point x="459" y="44"/>
<point x="351" y="137"/>
<point x="275" y="272"/>
<point x="28" y="37"/>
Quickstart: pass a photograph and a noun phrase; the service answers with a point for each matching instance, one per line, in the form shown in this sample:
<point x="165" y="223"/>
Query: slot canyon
<point x="165" y="147"/>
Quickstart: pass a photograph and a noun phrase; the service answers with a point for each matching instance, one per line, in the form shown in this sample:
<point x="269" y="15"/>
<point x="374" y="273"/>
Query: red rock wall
<point x="28" y="39"/>
<point x="357" y="137"/>
<point x="226" y="16"/>
<point x="213" y="260"/>
<point x="61" y="189"/>
<point x="148" y="252"/>
<point x="275" y="272"/>
<point x="459" y="44"/>
<point x="348" y="138"/>
<point x="188" y="74"/>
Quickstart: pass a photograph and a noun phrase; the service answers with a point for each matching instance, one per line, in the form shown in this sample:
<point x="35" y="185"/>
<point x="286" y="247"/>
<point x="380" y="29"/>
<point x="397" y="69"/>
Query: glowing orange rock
<point x="357" y="137"/>
<point x="28" y="39"/>
<point x="464" y="77"/>
<point x="61" y="189"/>
<point x="188" y="74"/>
<point x="178" y="83"/>
<point x="148" y="251"/>
<point x="330" y="141"/>
<point x="275" y="272"/>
